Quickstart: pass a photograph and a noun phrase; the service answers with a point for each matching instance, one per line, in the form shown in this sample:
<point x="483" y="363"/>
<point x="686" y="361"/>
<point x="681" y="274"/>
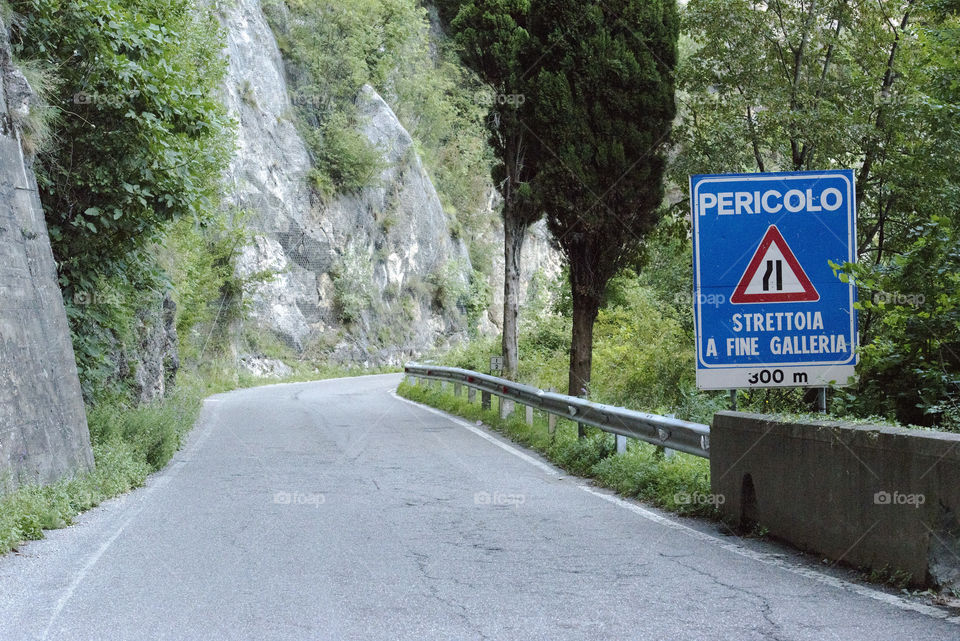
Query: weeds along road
<point x="334" y="510"/>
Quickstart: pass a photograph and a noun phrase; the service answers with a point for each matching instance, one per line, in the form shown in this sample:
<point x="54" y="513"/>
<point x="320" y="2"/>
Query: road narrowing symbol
<point x="774" y="275"/>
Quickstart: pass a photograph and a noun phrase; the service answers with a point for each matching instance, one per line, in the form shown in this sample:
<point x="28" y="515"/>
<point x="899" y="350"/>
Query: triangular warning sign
<point x="774" y="275"/>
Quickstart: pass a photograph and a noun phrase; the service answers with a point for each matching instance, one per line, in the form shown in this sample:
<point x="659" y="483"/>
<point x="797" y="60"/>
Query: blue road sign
<point x="768" y="309"/>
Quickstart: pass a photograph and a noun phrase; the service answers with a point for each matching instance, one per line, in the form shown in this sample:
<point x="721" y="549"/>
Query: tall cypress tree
<point x="602" y="106"/>
<point x="494" y="40"/>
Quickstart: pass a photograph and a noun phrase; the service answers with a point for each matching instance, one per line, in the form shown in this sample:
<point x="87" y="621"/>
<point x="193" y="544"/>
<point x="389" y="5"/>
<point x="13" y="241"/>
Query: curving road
<point x="334" y="510"/>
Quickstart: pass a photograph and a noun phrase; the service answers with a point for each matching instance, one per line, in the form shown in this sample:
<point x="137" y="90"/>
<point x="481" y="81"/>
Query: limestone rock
<point x="263" y="367"/>
<point x="394" y="232"/>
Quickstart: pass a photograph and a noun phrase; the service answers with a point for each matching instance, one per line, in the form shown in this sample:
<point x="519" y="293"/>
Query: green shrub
<point x="345" y="160"/>
<point x="104" y="322"/>
<point x="478" y="299"/>
<point x="642" y="357"/>
<point x="147" y="136"/>
<point x="629" y="474"/>
<point x="450" y="290"/>
<point x="579" y="456"/>
<point x="352" y="285"/>
<point x="200" y="259"/>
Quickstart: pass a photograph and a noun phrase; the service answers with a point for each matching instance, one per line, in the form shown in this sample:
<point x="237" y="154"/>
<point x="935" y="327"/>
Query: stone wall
<point x="43" y="427"/>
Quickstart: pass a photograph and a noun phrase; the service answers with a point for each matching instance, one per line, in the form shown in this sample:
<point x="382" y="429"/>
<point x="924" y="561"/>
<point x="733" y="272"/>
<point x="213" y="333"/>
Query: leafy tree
<point x="910" y="367"/>
<point x="602" y="105"/>
<point x="791" y="85"/>
<point x="142" y="136"/>
<point x="494" y="42"/>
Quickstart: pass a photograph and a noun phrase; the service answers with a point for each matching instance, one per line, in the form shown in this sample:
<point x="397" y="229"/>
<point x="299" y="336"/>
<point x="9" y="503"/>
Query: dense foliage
<point x="137" y="140"/>
<point x="141" y="137"/>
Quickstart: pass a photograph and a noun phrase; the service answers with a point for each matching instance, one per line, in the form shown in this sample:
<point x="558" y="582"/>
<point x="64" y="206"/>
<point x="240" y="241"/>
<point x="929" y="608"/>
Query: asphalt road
<point x="334" y="510"/>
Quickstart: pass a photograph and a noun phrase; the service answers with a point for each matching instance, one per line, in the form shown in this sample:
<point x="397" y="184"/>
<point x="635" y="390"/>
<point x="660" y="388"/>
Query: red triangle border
<point x="809" y="293"/>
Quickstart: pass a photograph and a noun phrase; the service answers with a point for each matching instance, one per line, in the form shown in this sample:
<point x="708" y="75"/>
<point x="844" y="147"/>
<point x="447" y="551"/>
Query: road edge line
<point x="549" y="469"/>
<point x="760" y="557"/>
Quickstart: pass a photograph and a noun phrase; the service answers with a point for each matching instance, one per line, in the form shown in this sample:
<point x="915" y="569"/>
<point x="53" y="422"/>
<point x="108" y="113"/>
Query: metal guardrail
<point x="684" y="436"/>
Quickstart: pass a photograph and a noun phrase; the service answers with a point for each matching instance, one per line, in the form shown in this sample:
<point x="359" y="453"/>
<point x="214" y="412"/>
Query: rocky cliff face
<point x="540" y="264"/>
<point x="150" y="364"/>
<point x="43" y="427"/>
<point x="364" y="275"/>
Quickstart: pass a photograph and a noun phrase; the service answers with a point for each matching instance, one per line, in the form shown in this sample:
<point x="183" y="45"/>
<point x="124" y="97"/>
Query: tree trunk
<point x="514" y="231"/>
<point x="585" y="309"/>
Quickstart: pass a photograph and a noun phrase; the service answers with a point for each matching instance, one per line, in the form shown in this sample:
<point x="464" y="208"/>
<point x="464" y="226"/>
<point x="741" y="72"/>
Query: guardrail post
<point x="582" y="427"/>
<point x="412" y="380"/>
<point x="667" y="452"/>
<point x="621" y="444"/>
<point x="485" y="400"/>
<point x="506" y="407"/>
<point x="551" y="419"/>
<point x="529" y="414"/>
<point x="471" y="395"/>
<point x="456" y="389"/>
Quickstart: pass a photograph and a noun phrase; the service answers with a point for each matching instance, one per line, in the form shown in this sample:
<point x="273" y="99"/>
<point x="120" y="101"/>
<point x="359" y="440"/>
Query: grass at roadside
<point x="130" y="443"/>
<point x="680" y="483"/>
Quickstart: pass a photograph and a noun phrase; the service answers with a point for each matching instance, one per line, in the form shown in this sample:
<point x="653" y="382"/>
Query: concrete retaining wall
<point x="869" y="496"/>
<point x="43" y="426"/>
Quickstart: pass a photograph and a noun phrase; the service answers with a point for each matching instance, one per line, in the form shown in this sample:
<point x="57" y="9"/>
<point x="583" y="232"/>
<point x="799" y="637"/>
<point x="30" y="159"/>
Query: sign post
<point x="769" y="310"/>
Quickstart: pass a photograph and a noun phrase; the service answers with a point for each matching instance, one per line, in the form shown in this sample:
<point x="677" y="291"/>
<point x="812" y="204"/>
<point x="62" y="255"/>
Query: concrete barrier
<point x="43" y="424"/>
<point x="874" y="497"/>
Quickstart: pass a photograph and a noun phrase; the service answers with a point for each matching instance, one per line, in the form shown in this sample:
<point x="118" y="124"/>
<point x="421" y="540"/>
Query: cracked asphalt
<point x="334" y="510"/>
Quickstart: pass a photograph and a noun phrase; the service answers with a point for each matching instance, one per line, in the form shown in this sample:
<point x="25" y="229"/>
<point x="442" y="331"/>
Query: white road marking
<point x="482" y="434"/>
<point x="761" y="557"/>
